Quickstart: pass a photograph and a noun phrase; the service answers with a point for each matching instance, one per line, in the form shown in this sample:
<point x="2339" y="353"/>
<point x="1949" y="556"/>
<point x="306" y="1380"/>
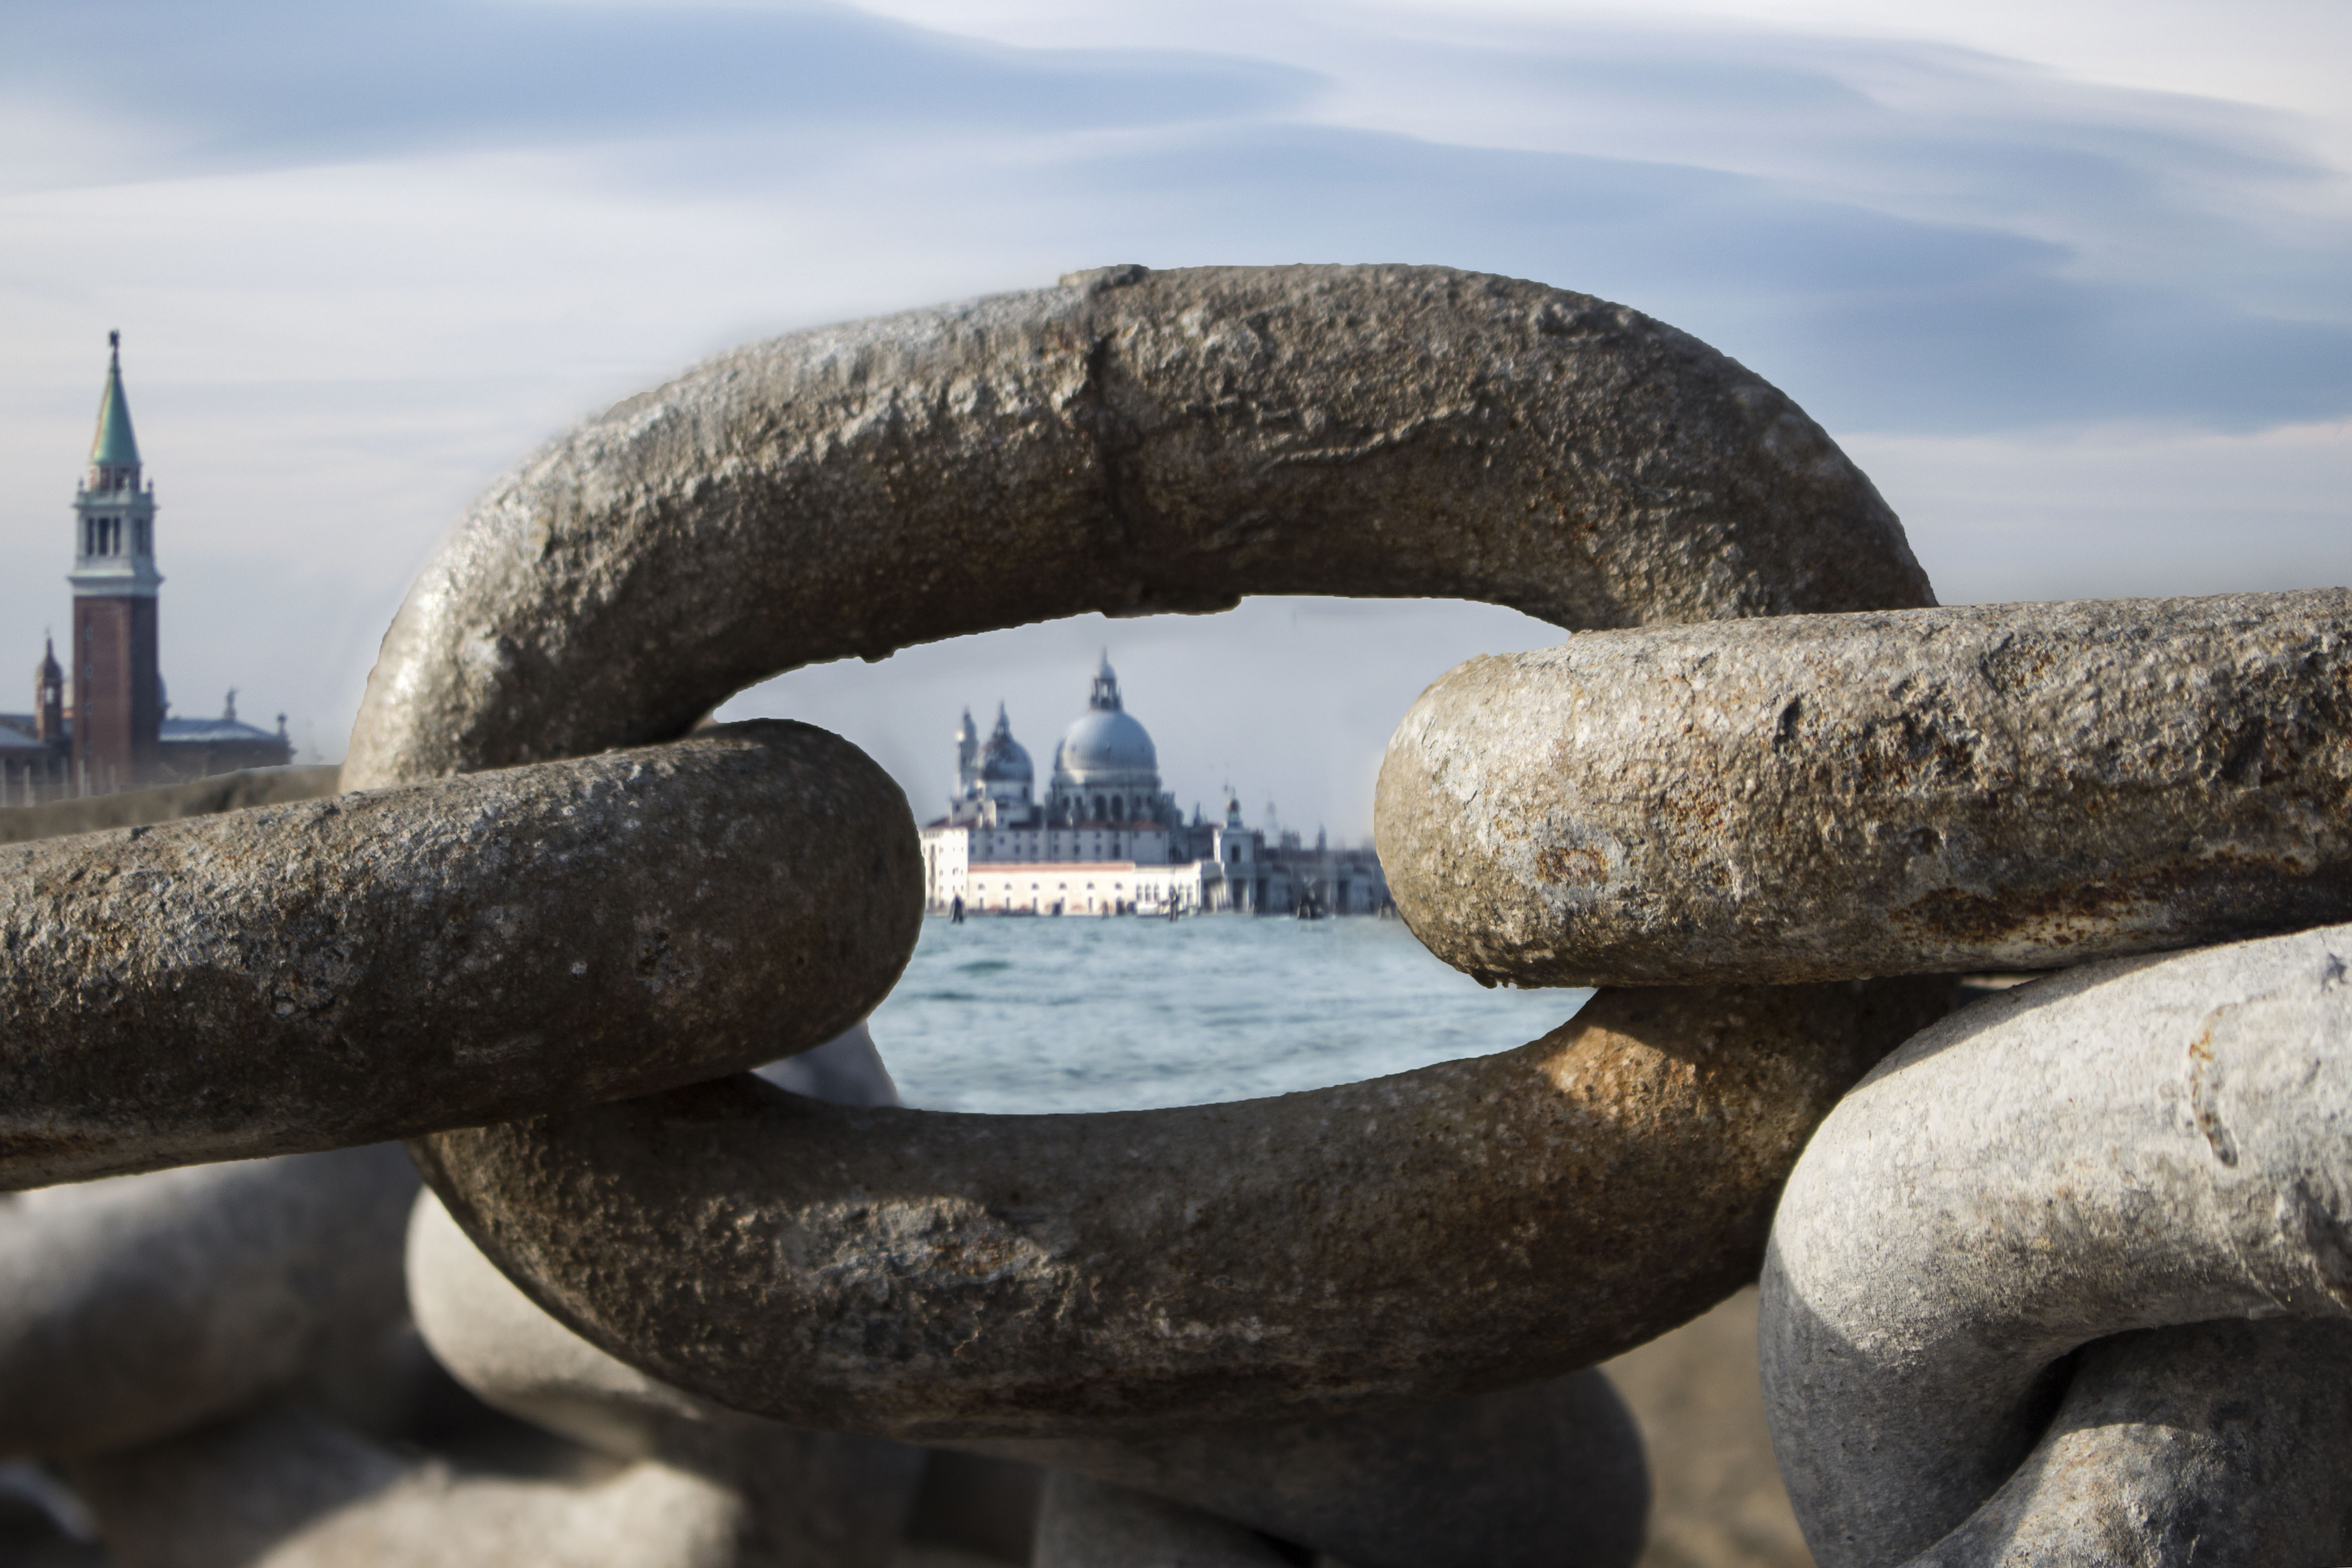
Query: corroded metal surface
<point x="1490" y="1482"/>
<point x="809" y="1499"/>
<point x="1129" y="441"/>
<point x="2209" y="1446"/>
<point x="338" y="972"/>
<point x="2128" y="1145"/>
<point x="1466" y="1226"/>
<point x="2014" y="786"/>
<point x="1133" y="441"/>
<point x="1548" y="1474"/>
<point x="1335" y="1319"/>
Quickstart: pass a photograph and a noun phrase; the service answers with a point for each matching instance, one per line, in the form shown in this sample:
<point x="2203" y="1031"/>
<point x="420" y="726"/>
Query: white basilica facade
<point x="1104" y="838"/>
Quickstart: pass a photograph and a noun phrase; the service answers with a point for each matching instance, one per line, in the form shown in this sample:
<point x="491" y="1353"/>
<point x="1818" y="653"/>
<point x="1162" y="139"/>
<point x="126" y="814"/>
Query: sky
<point x="2072" y="280"/>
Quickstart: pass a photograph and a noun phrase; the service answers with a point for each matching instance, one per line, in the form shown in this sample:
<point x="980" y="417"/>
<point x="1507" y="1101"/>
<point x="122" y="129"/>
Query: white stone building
<point x="1104" y="838"/>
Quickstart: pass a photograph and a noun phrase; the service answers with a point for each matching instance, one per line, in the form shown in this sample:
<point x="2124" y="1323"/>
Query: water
<point x="1076" y="1013"/>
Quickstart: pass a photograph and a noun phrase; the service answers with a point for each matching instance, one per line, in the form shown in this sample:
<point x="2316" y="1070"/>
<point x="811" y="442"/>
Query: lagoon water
<point x="1008" y="1015"/>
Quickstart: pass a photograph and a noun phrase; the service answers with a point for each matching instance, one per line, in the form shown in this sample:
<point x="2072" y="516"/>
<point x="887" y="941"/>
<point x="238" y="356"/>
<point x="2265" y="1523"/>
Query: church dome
<point x="1105" y="741"/>
<point x="1108" y="740"/>
<point x="1006" y="761"/>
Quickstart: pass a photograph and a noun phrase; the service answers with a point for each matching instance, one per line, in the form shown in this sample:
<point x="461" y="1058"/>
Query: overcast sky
<point x="2072" y="281"/>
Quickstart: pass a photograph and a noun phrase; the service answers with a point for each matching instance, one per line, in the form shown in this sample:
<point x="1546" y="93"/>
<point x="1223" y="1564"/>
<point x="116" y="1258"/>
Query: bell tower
<point x="117" y="697"/>
<point x="49" y="697"/>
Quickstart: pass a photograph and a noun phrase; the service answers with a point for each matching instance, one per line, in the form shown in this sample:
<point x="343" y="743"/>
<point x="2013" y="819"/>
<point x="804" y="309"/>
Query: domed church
<point x="1106" y="777"/>
<point x="1106" y="838"/>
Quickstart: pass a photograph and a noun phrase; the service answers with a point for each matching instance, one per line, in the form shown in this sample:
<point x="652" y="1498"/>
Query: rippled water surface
<point x="1076" y="1013"/>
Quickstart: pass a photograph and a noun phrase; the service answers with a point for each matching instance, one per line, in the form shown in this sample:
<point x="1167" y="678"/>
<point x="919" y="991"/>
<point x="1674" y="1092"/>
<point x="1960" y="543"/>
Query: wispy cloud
<point x="1911" y="238"/>
<point x="369" y="254"/>
<point x="266" y="83"/>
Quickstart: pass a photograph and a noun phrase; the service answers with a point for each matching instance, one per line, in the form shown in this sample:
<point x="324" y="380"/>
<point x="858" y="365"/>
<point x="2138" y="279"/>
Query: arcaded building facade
<point x="1105" y="837"/>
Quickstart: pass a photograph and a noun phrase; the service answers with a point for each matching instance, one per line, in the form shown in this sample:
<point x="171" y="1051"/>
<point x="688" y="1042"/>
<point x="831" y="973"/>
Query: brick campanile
<point x="118" y="710"/>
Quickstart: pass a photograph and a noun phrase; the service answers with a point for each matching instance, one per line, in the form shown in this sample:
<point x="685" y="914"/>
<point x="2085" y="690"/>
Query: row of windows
<point x="1095" y="836"/>
<point x="1113" y="808"/>
<point x="1009" y="895"/>
<point x="1050" y="852"/>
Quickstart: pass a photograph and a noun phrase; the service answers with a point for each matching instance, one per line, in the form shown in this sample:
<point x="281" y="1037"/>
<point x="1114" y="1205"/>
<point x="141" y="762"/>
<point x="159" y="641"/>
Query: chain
<point x="2030" y="1252"/>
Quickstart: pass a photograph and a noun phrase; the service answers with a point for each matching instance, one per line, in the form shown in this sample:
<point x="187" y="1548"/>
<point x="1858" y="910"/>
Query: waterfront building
<point x="116" y="732"/>
<point x="1105" y="837"/>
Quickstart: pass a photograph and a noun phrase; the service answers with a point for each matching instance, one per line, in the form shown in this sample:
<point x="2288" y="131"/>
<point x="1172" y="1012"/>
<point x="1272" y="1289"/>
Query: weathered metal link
<point x="2128" y="1145"/>
<point x="1348" y="1320"/>
<point x="338" y="972"/>
<point x="1822" y="797"/>
<point x="1548" y="1474"/>
<point x="805" y="1499"/>
<point x="1498" y="1482"/>
<point x="2210" y="1446"/>
<point x="1129" y="441"/>
<point x="932" y="1276"/>
<point x="187" y="1295"/>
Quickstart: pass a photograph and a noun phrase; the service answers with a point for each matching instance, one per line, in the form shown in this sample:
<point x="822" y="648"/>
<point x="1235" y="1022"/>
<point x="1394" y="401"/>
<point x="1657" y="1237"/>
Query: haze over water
<point x="1007" y="1016"/>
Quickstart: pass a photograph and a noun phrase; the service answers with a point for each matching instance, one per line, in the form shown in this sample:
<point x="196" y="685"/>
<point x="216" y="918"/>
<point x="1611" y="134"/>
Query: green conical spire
<point x="114" y="447"/>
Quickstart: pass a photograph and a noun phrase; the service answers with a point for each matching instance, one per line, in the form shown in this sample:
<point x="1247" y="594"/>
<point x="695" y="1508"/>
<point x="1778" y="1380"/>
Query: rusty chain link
<point x="2060" y="1271"/>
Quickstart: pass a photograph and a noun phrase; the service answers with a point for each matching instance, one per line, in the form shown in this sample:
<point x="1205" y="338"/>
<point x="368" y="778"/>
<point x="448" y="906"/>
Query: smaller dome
<point x="1003" y="760"/>
<point x="1007" y="761"/>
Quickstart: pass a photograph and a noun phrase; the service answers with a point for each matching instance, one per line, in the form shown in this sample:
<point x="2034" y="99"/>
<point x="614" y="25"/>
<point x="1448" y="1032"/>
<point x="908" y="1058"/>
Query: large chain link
<point x="340" y="971"/>
<point x="1353" y="1320"/>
